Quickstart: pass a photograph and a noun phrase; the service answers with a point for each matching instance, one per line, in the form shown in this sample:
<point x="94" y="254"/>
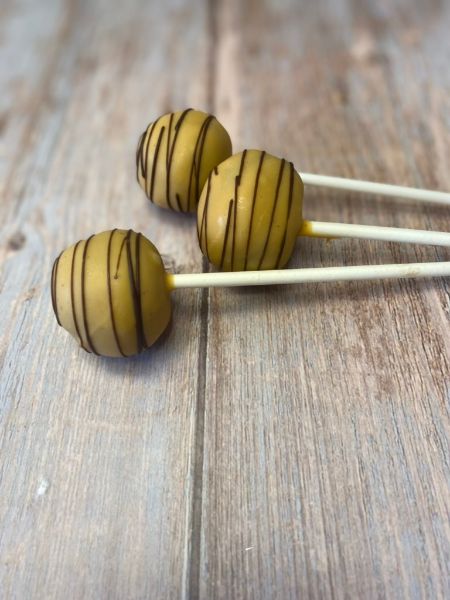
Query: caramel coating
<point x="250" y="212"/>
<point x="110" y="292"/>
<point x="175" y="155"/>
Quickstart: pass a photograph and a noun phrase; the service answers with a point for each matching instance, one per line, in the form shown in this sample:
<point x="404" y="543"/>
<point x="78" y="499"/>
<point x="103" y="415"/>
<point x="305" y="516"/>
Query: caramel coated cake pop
<point x="112" y="294"/>
<point x="175" y="155"/>
<point x="250" y="212"/>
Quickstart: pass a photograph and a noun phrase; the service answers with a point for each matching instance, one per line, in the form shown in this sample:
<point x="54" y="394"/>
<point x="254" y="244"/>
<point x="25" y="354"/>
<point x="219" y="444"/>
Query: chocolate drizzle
<point x="88" y="275"/>
<point x="169" y="157"/>
<point x="202" y="135"/>
<point x="155" y="160"/>
<point x="72" y="296"/>
<point x="142" y="153"/>
<point x="237" y="183"/>
<point x="116" y="275"/>
<point x="108" y="279"/>
<point x="231" y="224"/>
<point x="173" y="131"/>
<point x="135" y="287"/>
<point x="144" y="156"/>
<point x="134" y="276"/>
<point x="197" y="159"/>
<point x="83" y="296"/>
<point x="274" y="206"/>
<point x="139" y="317"/>
<point x="250" y="243"/>
<point x="53" y="288"/>
<point x="169" y="130"/>
<point x="255" y="192"/>
<point x="139" y="165"/>
<point x="203" y="225"/>
<point x="227" y="230"/>
<point x="288" y="216"/>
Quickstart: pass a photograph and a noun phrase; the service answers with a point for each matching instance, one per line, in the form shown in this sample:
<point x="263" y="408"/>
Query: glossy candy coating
<point x="110" y="292"/>
<point x="250" y="212"/>
<point x="175" y="155"/>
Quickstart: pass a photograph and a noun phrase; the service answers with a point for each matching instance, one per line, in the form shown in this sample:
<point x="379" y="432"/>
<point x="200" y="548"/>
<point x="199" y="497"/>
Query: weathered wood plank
<point x="96" y="477"/>
<point x="297" y="445"/>
<point x="326" y="463"/>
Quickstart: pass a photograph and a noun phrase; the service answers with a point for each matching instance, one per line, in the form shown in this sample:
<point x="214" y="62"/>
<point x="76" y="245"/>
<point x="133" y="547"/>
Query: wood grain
<point x="96" y="479"/>
<point x="277" y="443"/>
<point x="326" y="462"/>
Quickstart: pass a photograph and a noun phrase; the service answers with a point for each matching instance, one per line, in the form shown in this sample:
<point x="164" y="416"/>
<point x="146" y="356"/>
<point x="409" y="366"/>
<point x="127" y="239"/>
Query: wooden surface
<point x="277" y="443"/>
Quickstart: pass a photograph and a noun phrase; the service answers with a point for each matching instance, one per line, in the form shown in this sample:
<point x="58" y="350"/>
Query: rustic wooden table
<point x="277" y="443"/>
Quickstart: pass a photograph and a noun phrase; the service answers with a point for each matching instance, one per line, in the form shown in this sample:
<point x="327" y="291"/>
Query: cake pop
<point x="166" y="158"/>
<point x="250" y="214"/>
<point x="175" y="155"/>
<point x="112" y="293"/>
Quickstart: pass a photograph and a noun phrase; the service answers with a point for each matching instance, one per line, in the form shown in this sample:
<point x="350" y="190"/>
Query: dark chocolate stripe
<point x="237" y="183"/>
<point x="83" y="296"/>
<point x="108" y="278"/>
<point x="139" y="155"/>
<point x="182" y="117"/>
<point x="205" y="128"/>
<point x="72" y="296"/>
<point x="205" y="219"/>
<point x="170" y="156"/>
<point x="52" y="284"/>
<point x="116" y="275"/>
<point x="169" y="131"/>
<point x="200" y="227"/>
<point x="135" y="294"/>
<point x="275" y="202"/>
<point x="288" y="216"/>
<point x="144" y="156"/>
<point x="53" y="288"/>
<point x="241" y="167"/>
<point x="138" y="287"/>
<point x="194" y="168"/>
<point x="255" y="191"/>
<point x="190" y="181"/>
<point x="227" y="229"/>
<point x="155" y="160"/>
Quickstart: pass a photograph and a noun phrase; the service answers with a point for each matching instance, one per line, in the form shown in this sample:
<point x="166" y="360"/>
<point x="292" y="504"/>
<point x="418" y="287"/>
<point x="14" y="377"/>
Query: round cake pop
<point x="250" y="214"/>
<point x="157" y="143"/>
<point x="175" y="155"/>
<point x="112" y="294"/>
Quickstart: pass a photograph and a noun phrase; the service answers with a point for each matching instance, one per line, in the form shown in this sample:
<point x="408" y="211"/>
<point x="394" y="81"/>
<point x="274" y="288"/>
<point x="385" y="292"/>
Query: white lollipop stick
<point x="374" y="232"/>
<point x="380" y="189"/>
<point x="316" y="275"/>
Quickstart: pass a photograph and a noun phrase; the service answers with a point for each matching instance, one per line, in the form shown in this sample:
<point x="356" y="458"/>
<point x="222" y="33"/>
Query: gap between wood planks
<point x="195" y="534"/>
